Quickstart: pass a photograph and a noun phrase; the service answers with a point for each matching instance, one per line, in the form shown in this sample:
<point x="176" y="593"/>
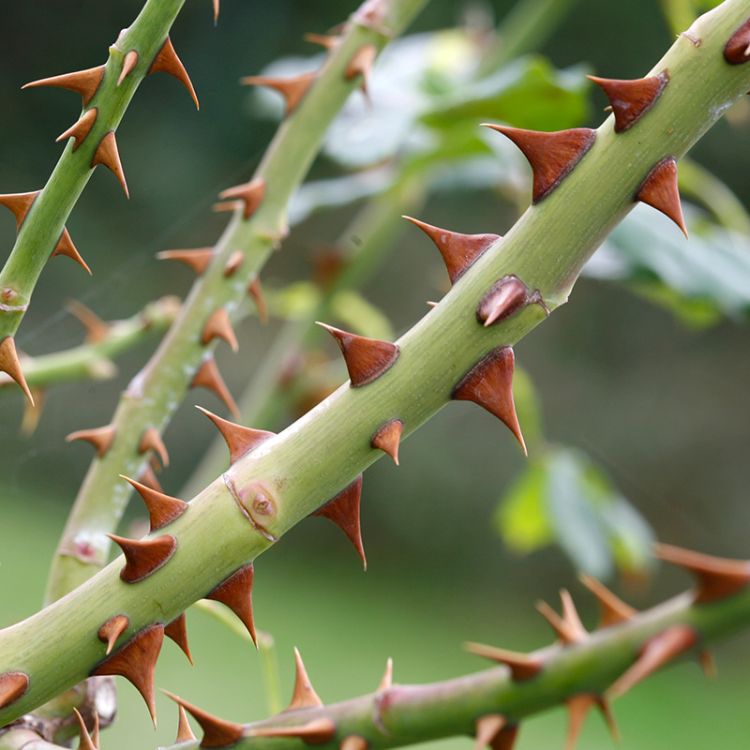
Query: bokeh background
<point x="661" y="407"/>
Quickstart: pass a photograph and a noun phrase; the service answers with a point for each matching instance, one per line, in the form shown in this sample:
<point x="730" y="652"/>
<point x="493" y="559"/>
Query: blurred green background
<point x="662" y="408"/>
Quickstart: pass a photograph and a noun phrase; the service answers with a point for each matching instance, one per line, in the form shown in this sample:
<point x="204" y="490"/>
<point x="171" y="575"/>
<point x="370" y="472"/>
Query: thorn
<point x="10" y="364"/>
<point x="151" y="440"/>
<point x="292" y="89"/>
<point x="578" y="709"/>
<point x="239" y="439"/>
<point x="100" y="437"/>
<point x="177" y="632"/>
<point x="656" y="653"/>
<point x="552" y="156"/>
<point x="304" y="695"/>
<point x="353" y="742"/>
<point x="149" y="479"/>
<point x="167" y="61"/>
<point x="522" y="666"/>
<point x="96" y="329"/>
<point x="344" y="511"/>
<point x="197" y="260"/>
<point x="13" y="685"/>
<point x="162" y="509"/>
<point x="328" y="41"/>
<point x="459" y="251"/>
<point x="80" y="129"/>
<point x="216" y="12"/>
<point x="388" y="437"/>
<point x="387" y="679"/>
<point x="505" y="298"/>
<point x="631" y="99"/>
<point x="83" y="82"/>
<point x="708" y="664"/>
<point x="366" y="359"/>
<point x="661" y="191"/>
<point x="737" y="49"/>
<point x="568" y="628"/>
<point x="66" y="247"/>
<point x="490" y="385"/>
<point x="493" y="731"/>
<point x="236" y="592"/>
<point x="717" y="577"/>
<point x="216" y="732"/>
<point x="255" y="290"/>
<point x="613" y="609"/>
<point x="218" y="326"/>
<point x="249" y="193"/>
<point x="112" y="630"/>
<point x="315" y="732"/>
<point x="184" y="732"/>
<point x="19" y="204"/>
<point x="361" y="64"/>
<point x="209" y="377"/>
<point x="128" y="65"/>
<point x="85" y="743"/>
<point x="136" y="662"/>
<point x="144" y="557"/>
<point x="107" y="154"/>
<point x="432" y="304"/>
<point x="233" y="264"/>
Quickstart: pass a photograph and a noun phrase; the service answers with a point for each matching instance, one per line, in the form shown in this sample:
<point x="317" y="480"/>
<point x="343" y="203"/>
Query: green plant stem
<point x="312" y="460"/>
<point x="155" y="394"/>
<point x="46" y="220"/>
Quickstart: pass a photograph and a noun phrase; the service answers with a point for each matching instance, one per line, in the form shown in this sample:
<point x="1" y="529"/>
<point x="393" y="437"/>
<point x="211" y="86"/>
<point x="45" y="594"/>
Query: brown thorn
<point x="737" y="49"/>
<point x="80" y="129"/>
<point x="661" y="191"/>
<point x="292" y="89"/>
<point x="216" y="11"/>
<point x="111" y="630"/>
<point x="459" y="251"/>
<point x="605" y="709"/>
<point x="100" y="437"/>
<point x="571" y="617"/>
<point x="66" y="247"/>
<point x="149" y="479"/>
<point x="85" y="742"/>
<point x="162" y="509"/>
<point x="315" y="732"/>
<point x="361" y="64"/>
<point x="13" y="685"/>
<point x="136" y="662"/>
<point x="151" y="440"/>
<point x="198" y="260"/>
<point x="490" y="385"/>
<point x="387" y="679"/>
<point x="239" y="439"/>
<point x="96" y="329"/>
<point x="552" y="156"/>
<point x="304" y="695"/>
<point x="167" y="61"/>
<point x="255" y="290"/>
<point x="388" y="437"/>
<point x="10" y="364"/>
<point x="655" y="653"/>
<point x="565" y="631"/>
<point x="83" y="82"/>
<point x="578" y="709"/>
<point x="19" y="204"/>
<point x="177" y="632"/>
<point x="216" y="732"/>
<point x="631" y="99"/>
<point x="209" y="377"/>
<point x="250" y="194"/>
<point x="144" y="557"/>
<point x="344" y="511"/>
<point x="505" y="298"/>
<point x="32" y="414"/>
<point x="522" y="666"/>
<point x="218" y="326"/>
<point x="184" y="732"/>
<point x="492" y="732"/>
<point x="128" y="65"/>
<point x="353" y="742"/>
<point x="233" y="264"/>
<point x="236" y="592"/>
<point x="108" y="155"/>
<point x="328" y="41"/>
<point x="708" y="664"/>
<point x="613" y="609"/>
<point x="366" y="359"/>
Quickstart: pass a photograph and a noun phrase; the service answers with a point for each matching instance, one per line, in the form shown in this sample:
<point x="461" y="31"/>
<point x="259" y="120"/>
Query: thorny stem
<point x="154" y="395"/>
<point x="311" y="461"/>
<point x="46" y="220"/>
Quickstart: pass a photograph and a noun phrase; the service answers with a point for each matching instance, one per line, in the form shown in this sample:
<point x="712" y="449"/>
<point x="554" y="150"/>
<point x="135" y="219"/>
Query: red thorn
<point x="344" y="511"/>
<point x="100" y="437"/>
<point x="494" y="731"/>
<point x="505" y="298"/>
<point x="568" y="628"/>
<point x="10" y="364"/>
<point x="552" y="156"/>
<point x="136" y="662"/>
<point x="361" y="64"/>
<point x="216" y="731"/>
<point x="19" y="204"/>
<point x="255" y="290"/>
<point x="718" y="578"/>
<point x="83" y="82"/>
<point x="216" y="11"/>
<point x="459" y="251"/>
<point x="578" y="709"/>
<point x="239" y="439"/>
<point x="292" y="89"/>
<point x="167" y="61"/>
<point x="184" y="732"/>
<point x="656" y="653"/>
<point x="388" y="437"/>
<point x="522" y="666"/>
<point x="80" y="129"/>
<point x="128" y="65"/>
<point x="13" y="685"/>
<point x="209" y="377"/>
<point x="151" y="440"/>
<point x="108" y="155"/>
<point x="737" y="49"/>
<point x="250" y="194"/>
<point x="328" y="41"/>
<point x="96" y="329"/>
<point x="66" y="247"/>
<point x="86" y="742"/>
<point x="631" y="99"/>
<point x="366" y="359"/>
<point x="198" y="260"/>
<point x="162" y="509"/>
<point x="112" y="630"/>
<point x="613" y="609"/>
<point x="387" y="679"/>
<point x="236" y="592"/>
<point x="304" y="695"/>
<point x="218" y="326"/>
<point x="490" y="385"/>
<point x="177" y="632"/>
<point x="234" y="263"/>
<point x="661" y="191"/>
<point x="315" y="732"/>
<point x="144" y="557"/>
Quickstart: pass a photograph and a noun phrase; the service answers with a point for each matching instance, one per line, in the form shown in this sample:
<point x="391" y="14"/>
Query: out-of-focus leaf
<point x="361" y="316"/>
<point x="296" y="300"/>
